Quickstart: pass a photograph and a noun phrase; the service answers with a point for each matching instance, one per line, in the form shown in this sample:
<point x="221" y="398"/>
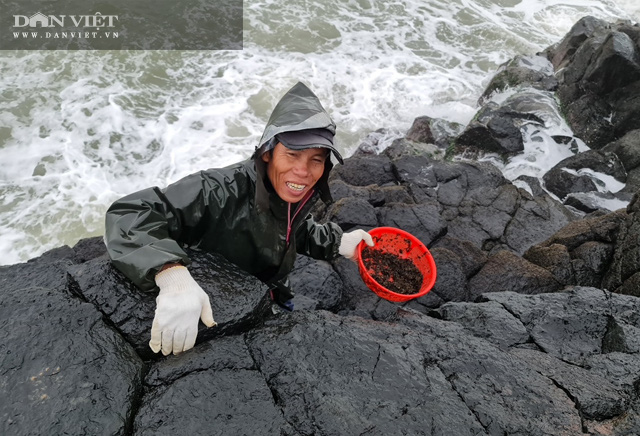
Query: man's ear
<point x="266" y="157"/>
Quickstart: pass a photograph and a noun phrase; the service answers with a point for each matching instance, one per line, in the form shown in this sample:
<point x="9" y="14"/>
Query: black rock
<point x="420" y="130"/>
<point x="350" y="212"/>
<point x="560" y="54"/>
<point x="624" y="273"/>
<point x="627" y="150"/>
<point x="599" y="80"/>
<point x="318" y="282"/>
<point x="562" y="182"/>
<point x="497" y="128"/>
<point x="594" y="201"/>
<point x="219" y="388"/>
<point x="238" y="300"/>
<point x="508" y="272"/>
<point x="364" y="171"/>
<point x="64" y="371"/>
<point x="522" y="71"/>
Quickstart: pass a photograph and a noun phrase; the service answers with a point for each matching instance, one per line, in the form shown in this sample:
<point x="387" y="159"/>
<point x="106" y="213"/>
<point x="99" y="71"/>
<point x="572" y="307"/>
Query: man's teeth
<point x="295" y="186"/>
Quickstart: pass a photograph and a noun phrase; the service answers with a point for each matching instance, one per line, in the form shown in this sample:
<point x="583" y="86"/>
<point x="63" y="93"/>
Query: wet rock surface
<point x="531" y="328"/>
<point x="574" y="174"/>
<point x="238" y="300"/>
<point x="503" y="344"/>
<point x="626" y="148"/>
<point x="535" y="71"/>
<point x="600" y="73"/>
<point x="64" y="370"/>
<point x="221" y="391"/>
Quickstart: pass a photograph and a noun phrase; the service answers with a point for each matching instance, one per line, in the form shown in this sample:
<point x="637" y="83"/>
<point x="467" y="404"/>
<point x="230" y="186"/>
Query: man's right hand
<point x="179" y="305"/>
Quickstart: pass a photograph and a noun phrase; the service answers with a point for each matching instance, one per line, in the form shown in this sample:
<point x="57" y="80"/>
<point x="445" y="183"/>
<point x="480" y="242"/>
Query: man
<point x="255" y="213"/>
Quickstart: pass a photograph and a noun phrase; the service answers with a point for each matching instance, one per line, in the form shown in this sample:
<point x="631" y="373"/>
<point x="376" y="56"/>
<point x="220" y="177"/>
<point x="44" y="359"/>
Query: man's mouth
<point x="295" y="186"/>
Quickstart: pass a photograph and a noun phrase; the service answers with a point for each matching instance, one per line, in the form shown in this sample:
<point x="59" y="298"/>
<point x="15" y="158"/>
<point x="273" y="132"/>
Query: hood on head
<point x="299" y="109"/>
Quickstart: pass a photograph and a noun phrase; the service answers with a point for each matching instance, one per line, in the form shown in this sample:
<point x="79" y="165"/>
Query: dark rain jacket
<point x="233" y="211"/>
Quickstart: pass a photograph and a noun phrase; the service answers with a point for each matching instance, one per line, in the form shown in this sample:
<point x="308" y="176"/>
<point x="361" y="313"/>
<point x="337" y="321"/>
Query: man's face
<point x="294" y="172"/>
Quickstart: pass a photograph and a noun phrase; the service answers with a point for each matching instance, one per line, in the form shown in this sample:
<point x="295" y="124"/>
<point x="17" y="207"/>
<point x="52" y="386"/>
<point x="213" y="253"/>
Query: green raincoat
<point x="233" y="211"/>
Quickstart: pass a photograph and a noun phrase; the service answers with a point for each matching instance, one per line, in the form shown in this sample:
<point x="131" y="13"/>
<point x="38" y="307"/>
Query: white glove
<point x="179" y="304"/>
<point x="351" y="240"/>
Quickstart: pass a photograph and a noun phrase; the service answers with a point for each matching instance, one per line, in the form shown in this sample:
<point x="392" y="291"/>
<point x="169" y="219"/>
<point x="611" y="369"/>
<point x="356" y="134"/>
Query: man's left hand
<point x="350" y="242"/>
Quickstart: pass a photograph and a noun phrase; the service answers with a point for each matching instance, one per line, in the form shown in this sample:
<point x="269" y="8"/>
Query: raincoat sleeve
<point x="145" y="230"/>
<point x="319" y="241"/>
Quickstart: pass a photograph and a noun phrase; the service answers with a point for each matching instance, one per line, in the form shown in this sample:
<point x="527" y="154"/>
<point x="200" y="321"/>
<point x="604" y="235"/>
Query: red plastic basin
<point x="406" y="246"/>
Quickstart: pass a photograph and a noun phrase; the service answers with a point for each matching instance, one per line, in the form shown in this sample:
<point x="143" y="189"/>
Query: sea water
<point x="80" y="129"/>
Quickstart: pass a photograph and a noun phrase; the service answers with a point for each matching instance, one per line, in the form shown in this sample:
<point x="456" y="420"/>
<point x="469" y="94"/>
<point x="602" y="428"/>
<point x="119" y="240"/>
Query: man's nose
<point x="301" y="168"/>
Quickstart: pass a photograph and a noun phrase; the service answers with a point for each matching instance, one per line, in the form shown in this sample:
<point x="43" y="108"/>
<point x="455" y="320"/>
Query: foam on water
<point x="631" y="8"/>
<point x="80" y="129"/>
<point x="612" y="204"/>
<point x="541" y="152"/>
<point x="604" y="182"/>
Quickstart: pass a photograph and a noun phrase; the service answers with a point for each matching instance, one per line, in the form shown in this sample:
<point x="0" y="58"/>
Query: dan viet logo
<point x="120" y="25"/>
<point x="87" y="26"/>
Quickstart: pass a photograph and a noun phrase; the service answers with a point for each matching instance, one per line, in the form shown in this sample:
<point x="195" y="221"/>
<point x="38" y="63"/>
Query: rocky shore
<point x="532" y="328"/>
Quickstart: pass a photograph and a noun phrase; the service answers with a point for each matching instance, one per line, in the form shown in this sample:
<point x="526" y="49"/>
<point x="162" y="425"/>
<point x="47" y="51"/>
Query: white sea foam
<point x="604" y="182"/>
<point x="541" y="152"/>
<point x="80" y="129"/>
<point x="612" y="204"/>
<point x="632" y="8"/>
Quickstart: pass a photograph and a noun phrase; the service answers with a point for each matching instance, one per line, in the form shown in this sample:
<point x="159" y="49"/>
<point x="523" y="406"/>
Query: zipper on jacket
<point x="295" y="213"/>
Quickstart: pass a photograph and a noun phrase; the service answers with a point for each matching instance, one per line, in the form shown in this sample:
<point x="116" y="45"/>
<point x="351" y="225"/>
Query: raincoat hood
<point x="298" y="109"/>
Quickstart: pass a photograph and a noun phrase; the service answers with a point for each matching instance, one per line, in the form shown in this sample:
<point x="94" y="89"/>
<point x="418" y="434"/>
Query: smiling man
<point x="255" y="213"/>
